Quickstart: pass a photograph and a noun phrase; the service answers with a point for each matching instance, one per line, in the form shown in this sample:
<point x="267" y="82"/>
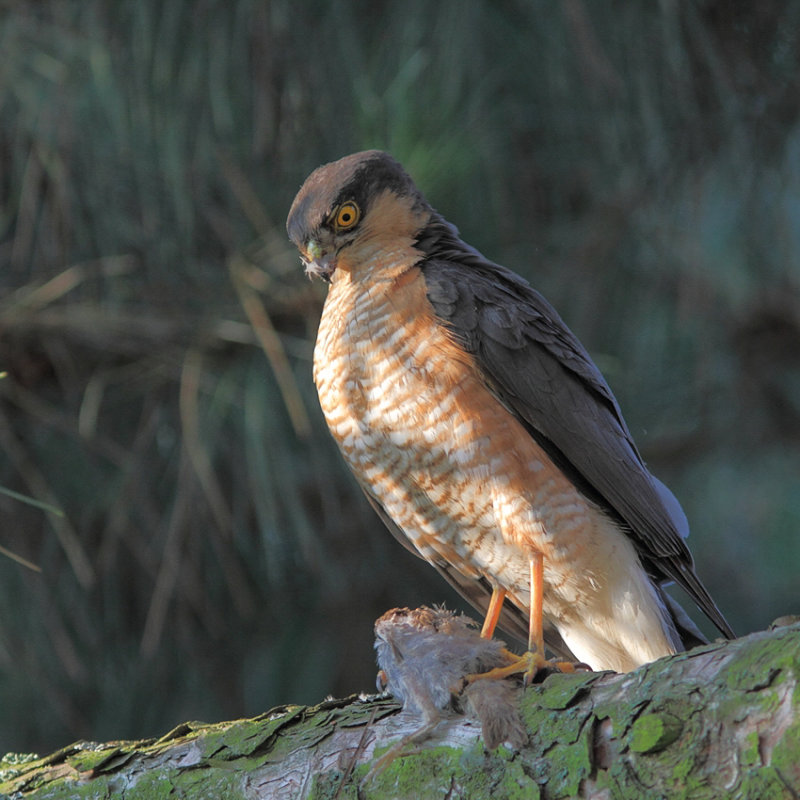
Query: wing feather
<point x="540" y="371"/>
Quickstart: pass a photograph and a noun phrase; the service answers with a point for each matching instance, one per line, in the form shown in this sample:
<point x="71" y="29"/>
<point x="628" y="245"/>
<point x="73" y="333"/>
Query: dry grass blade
<point x="245" y="194"/>
<point x="34" y="297"/>
<point x="32" y="501"/>
<point x="37" y="484"/>
<point x="31" y="298"/>
<point x="19" y="559"/>
<point x="170" y="567"/>
<point x="273" y="349"/>
<point x="29" y="204"/>
<point x="198" y="456"/>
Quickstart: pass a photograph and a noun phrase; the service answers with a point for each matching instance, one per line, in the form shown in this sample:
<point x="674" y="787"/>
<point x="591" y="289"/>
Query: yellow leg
<point x="531" y="662"/>
<point x="535" y="631"/>
<point x="493" y="612"/>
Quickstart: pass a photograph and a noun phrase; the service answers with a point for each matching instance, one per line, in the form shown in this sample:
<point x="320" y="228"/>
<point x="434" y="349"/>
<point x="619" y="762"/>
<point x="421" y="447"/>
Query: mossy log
<point x="722" y="721"/>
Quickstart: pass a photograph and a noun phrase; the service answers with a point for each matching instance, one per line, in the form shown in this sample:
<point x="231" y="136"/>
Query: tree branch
<point x="720" y="721"/>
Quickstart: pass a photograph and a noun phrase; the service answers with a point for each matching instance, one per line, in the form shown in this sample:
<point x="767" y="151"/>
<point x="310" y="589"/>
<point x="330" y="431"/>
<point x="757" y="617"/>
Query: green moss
<point x="561" y="691"/>
<point x="653" y="732"/>
<point x="239" y="739"/>
<point x="421" y="774"/>
<point x="533" y="714"/>
<point x="648" y="716"/>
<point x="516" y="784"/>
<point x="220" y="783"/>
<point x="786" y="755"/>
<point x="434" y="772"/>
<point x="156" y="787"/>
<point x="244" y="737"/>
<point x="755" y="668"/>
<point x="762" y="784"/>
<point x="622" y="713"/>
<point x="577" y="765"/>
<point x="328" y="786"/>
<point x="91" y="760"/>
<point x="749" y="755"/>
<point x="682" y="769"/>
<point x="11" y="764"/>
<point x="564" y="725"/>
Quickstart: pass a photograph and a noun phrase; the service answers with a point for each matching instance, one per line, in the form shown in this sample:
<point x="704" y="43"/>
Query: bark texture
<point x="722" y="721"/>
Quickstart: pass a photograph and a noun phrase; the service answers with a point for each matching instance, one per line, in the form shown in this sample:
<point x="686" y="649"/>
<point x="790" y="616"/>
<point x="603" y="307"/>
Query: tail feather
<point x="687" y="632"/>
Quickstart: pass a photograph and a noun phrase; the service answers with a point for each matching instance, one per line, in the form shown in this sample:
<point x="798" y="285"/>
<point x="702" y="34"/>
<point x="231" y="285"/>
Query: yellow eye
<point x="347" y="215"/>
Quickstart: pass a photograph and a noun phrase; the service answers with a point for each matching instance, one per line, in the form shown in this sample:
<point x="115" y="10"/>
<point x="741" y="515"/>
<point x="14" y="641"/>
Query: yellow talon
<point x="528" y="664"/>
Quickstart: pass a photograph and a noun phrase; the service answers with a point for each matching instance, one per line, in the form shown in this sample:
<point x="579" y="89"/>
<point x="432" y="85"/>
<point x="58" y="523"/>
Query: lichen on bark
<point x="720" y="721"/>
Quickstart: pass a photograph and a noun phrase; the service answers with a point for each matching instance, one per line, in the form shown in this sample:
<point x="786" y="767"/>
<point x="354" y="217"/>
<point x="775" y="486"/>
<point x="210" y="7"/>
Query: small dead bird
<point x="426" y="656"/>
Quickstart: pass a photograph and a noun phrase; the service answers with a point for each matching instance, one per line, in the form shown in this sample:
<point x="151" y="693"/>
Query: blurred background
<point x="203" y="552"/>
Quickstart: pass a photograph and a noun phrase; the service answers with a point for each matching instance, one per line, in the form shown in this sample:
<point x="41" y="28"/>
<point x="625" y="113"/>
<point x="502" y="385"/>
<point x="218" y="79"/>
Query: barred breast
<point x="461" y="476"/>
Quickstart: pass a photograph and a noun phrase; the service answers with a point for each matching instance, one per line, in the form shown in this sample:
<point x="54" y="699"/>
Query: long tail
<point x="687" y="632"/>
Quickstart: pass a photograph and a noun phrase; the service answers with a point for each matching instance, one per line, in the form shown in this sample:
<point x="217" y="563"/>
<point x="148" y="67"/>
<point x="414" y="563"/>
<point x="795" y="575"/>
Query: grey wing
<point x="540" y="371"/>
<point x="476" y="592"/>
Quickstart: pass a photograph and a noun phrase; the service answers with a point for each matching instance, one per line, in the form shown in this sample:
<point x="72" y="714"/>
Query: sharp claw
<point x="529" y="665"/>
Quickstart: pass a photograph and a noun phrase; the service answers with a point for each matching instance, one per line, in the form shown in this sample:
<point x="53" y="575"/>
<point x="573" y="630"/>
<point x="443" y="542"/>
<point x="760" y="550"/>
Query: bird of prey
<point x="482" y="432"/>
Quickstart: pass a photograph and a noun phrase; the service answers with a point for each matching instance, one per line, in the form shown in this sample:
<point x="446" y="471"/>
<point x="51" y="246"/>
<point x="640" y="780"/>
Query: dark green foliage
<point x="639" y="163"/>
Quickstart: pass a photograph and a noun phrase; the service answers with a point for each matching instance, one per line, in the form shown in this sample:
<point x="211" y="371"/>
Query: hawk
<point x="482" y="432"/>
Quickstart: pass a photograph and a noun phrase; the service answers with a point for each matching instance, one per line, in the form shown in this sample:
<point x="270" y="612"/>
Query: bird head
<point x="359" y="215"/>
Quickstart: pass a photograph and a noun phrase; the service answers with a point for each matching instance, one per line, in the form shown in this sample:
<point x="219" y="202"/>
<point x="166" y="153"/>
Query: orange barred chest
<point x="415" y="423"/>
<point x="391" y="402"/>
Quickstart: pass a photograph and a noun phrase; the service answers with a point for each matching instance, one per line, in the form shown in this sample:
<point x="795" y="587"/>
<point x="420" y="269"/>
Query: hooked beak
<point x="319" y="264"/>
